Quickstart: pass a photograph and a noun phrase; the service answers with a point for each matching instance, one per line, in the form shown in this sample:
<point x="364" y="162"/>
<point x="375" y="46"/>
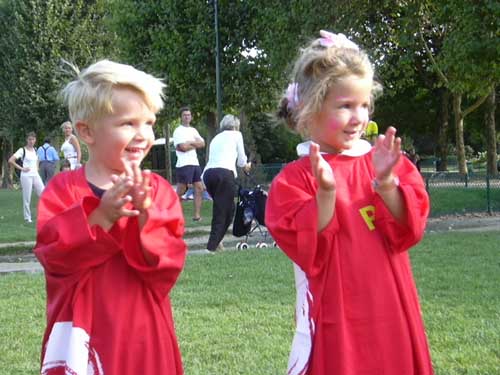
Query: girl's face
<point x="67" y="130"/>
<point x="343" y="115"/>
<point x="30" y="141"/>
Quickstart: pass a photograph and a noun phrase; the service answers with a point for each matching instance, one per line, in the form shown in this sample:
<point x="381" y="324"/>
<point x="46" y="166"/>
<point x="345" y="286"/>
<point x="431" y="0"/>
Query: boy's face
<point x="124" y="136"/>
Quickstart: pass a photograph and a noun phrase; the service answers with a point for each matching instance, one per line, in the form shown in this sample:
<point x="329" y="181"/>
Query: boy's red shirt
<point x="357" y="305"/>
<point x="108" y="311"/>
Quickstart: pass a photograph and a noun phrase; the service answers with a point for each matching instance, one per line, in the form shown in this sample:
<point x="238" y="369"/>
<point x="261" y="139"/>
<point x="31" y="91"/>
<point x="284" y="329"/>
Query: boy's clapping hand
<point x="113" y="203"/>
<point x="141" y="189"/>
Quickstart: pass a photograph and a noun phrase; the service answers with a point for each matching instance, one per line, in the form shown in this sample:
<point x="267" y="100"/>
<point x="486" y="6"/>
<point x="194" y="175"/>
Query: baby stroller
<point x="249" y="218"/>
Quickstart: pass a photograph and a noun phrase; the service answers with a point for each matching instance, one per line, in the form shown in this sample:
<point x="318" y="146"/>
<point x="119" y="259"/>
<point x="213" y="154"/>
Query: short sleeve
<point x="178" y="136"/>
<point x="19" y="153"/>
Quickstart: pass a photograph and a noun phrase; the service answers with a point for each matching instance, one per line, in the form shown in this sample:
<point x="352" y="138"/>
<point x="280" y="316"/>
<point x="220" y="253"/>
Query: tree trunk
<point x="7" y="151"/>
<point x="443" y="131"/>
<point x="168" y="162"/>
<point x="491" y="136"/>
<point x="459" y="136"/>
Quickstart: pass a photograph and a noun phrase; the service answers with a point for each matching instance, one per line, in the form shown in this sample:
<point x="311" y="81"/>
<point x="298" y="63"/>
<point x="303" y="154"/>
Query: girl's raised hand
<point x="321" y="169"/>
<point x="387" y="153"/>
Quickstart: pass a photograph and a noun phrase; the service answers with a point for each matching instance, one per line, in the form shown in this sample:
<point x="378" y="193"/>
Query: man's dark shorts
<point x="189" y="174"/>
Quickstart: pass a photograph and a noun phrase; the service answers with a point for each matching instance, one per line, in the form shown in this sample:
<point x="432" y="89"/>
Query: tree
<point x="467" y="65"/>
<point x="175" y="40"/>
<point x="489" y="121"/>
<point x="35" y="36"/>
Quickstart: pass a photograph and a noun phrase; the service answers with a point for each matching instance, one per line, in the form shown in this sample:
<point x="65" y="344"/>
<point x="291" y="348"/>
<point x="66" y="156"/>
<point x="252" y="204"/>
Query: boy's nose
<point x="143" y="131"/>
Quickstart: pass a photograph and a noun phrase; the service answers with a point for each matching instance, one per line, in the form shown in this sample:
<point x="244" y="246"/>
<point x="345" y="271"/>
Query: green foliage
<point x="36" y="35"/>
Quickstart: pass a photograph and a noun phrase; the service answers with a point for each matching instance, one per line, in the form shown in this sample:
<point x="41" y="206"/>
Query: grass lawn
<point x="14" y="229"/>
<point x="12" y="225"/>
<point x="461" y="200"/>
<point x="234" y="310"/>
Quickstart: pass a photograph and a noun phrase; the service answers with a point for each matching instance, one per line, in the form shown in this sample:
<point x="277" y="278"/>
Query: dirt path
<point x="26" y="262"/>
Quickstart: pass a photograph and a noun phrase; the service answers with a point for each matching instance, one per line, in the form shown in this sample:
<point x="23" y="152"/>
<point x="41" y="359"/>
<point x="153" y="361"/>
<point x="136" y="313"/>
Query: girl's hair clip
<point x="329" y="39"/>
<point x="292" y="95"/>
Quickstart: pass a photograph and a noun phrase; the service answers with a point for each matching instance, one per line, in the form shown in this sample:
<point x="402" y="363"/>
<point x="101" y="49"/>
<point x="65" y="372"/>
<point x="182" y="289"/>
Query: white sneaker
<point x="206" y="251"/>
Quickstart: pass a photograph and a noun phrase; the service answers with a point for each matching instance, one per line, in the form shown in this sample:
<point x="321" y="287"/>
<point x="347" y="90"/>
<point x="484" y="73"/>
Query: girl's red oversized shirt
<point x="108" y="311"/>
<point x="357" y="306"/>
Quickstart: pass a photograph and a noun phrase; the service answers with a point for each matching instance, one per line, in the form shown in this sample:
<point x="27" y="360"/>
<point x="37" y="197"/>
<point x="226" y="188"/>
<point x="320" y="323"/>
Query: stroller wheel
<point x="238" y="246"/>
<point x="243" y="246"/>
<point x="275" y="244"/>
<point x="261" y="245"/>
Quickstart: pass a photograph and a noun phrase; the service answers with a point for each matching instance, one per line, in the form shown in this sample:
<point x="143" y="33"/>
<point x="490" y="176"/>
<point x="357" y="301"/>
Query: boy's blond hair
<point x="90" y="94"/>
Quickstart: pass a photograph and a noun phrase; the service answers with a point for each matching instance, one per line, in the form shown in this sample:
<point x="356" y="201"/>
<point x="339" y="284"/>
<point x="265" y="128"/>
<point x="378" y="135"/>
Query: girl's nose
<point x="359" y="115"/>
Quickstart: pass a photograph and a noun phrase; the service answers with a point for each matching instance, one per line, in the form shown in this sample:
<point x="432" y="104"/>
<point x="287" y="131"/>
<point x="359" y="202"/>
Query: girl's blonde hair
<point x="319" y="66"/>
<point x="63" y="125"/>
<point x="90" y="94"/>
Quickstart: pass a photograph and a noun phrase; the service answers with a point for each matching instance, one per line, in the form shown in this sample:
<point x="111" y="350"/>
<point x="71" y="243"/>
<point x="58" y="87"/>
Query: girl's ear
<point x="85" y="132"/>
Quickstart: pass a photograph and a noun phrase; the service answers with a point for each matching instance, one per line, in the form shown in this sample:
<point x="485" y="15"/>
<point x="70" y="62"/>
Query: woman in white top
<point x="29" y="173"/>
<point x="226" y="151"/>
<point x="71" y="146"/>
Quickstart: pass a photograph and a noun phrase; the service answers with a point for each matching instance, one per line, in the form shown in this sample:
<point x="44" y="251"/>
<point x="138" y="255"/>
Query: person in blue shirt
<point x="47" y="155"/>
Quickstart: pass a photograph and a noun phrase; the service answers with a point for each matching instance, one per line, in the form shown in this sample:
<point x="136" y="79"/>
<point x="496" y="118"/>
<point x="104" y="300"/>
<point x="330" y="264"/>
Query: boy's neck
<point x="98" y="175"/>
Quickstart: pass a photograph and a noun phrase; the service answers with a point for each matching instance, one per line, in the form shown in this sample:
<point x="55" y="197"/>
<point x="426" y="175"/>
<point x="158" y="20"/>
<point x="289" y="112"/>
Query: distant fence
<point x="450" y="192"/>
<point x="455" y="193"/>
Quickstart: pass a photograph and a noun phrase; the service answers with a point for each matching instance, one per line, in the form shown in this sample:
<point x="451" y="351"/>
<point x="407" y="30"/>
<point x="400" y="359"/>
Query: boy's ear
<point x="85" y="132"/>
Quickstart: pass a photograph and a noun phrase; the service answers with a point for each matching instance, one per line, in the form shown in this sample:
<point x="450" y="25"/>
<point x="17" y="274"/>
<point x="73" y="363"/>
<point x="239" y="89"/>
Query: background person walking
<point x="47" y="156"/>
<point x="226" y="150"/>
<point x="30" y="179"/>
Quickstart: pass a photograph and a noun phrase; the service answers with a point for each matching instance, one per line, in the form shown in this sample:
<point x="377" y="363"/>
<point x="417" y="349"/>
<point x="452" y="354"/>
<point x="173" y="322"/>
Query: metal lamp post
<point x="218" y="87"/>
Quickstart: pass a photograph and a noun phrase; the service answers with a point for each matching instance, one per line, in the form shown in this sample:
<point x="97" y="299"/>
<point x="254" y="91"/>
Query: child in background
<point x="347" y="222"/>
<point x="65" y="165"/>
<point x="109" y="236"/>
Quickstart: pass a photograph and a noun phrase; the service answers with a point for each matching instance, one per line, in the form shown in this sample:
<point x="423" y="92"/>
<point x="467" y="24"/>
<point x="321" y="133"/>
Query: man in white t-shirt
<point x="187" y="169"/>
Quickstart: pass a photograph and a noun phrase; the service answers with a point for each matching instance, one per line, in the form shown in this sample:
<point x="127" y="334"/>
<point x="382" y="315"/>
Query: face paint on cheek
<point x="334" y="125"/>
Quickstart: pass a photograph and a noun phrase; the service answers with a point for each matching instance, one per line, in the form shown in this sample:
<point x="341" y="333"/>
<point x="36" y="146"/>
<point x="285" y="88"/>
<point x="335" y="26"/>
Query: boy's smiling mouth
<point x="135" y="152"/>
